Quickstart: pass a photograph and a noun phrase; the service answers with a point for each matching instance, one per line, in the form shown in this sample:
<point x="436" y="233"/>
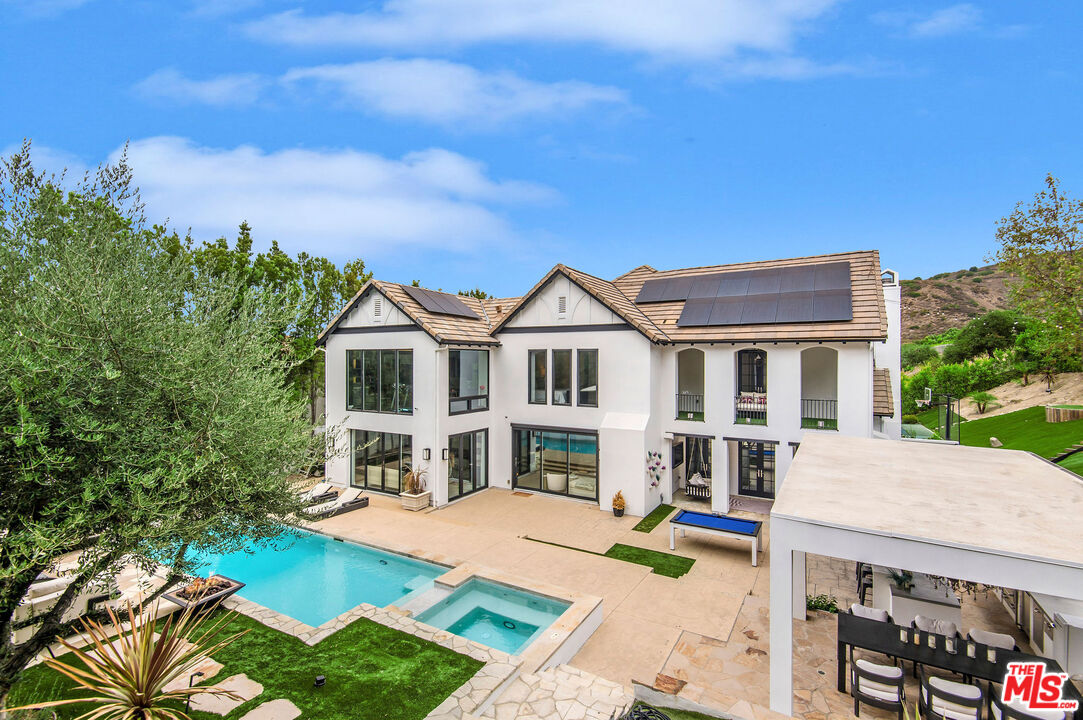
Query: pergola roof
<point x="994" y="500"/>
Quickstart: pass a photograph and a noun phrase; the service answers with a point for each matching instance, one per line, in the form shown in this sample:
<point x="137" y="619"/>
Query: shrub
<point x="822" y="602"/>
<point x="973" y="268"/>
<point x="910" y="420"/>
<point x="982" y="400"/>
<point x="983" y="335"/>
<point x="914" y="354"/>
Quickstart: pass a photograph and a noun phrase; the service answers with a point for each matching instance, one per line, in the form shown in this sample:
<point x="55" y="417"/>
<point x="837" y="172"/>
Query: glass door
<point x="756" y="463"/>
<point x="468" y="463"/>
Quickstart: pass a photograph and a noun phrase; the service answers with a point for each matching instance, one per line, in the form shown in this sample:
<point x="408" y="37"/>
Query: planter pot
<point x="420" y="501"/>
<point x="206" y="601"/>
<point x="618" y="513"/>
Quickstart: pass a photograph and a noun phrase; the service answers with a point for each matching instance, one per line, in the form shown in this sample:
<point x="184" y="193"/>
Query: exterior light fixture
<point x="426" y="454"/>
<point x="443" y="454"/>
<point x="188" y="701"/>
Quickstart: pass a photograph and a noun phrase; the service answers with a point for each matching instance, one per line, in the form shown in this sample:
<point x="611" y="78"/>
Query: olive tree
<point x="142" y="411"/>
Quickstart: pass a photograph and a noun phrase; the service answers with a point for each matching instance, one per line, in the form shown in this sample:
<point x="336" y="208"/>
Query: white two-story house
<point x="695" y="384"/>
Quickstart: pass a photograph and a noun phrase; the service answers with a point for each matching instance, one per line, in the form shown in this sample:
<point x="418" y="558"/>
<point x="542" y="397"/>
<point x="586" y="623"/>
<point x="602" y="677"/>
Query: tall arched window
<point x="751" y="396"/>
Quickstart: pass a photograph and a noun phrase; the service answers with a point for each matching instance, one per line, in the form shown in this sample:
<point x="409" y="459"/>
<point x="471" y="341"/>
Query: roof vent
<point x="562" y="304"/>
<point x="378" y="307"/>
<point x="499" y="309"/>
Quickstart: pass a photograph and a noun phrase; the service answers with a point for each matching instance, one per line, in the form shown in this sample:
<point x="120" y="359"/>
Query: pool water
<point x="314" y="578"/>
<point x="495" y="616"/>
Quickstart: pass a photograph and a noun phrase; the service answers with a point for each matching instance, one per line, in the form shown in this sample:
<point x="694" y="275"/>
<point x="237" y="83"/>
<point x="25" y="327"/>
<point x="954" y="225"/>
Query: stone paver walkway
<point x="560" y="693"/>
<point x="273" y="710"/>
<point x="209" y="667"/>
<point x="245" y="688"/>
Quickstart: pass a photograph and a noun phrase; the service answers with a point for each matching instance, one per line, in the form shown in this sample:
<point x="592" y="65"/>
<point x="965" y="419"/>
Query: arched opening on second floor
<point x="751" y="397"/>
<point x="820" y="388"/>
<point x="690" y="386"/>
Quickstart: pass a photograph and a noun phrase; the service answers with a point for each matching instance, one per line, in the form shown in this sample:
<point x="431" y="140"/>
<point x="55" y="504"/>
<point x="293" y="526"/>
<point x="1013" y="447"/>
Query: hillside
<point x="948" y="300"/>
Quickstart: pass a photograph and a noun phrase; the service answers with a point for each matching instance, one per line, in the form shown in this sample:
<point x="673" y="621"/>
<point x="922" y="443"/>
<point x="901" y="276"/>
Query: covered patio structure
<point x="999" y="517"/>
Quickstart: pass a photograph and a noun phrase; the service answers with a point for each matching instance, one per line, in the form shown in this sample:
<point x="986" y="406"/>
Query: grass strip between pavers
<point x="662" y="563"/>
<point x="373" y="673"/>
<point x="654" y="519"/>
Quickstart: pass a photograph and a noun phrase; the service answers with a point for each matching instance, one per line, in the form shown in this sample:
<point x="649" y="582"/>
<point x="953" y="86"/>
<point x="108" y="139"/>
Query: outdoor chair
<point x="350" y="499"/>
<point x="943" y="699"/>
<point x="864" y="581"/>
<point x="998" y="710"/>
<point x="697" y="487"/>
<point x="876" y="614"/>
<point x="319" y="493"/>
<point x="934" y="626"/>
<point x="878" y="685"/>
<point x="992" y="639"/>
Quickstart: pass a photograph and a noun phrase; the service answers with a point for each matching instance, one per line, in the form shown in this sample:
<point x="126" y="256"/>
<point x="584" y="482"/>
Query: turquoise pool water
<point x="493" y="615"/>
<point x="314" y="578"/>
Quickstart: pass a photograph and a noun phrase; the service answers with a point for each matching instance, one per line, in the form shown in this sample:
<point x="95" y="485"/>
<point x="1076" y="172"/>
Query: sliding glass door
<point x="380" y="460"/>
<point x="555" y="461"/>
<point x="468" y="463"/>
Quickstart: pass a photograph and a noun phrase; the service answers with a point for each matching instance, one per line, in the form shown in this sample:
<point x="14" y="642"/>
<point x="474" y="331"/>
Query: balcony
<point x="751" y="408"/>
<point x="819" y="414"/>
<point x="690" y="407"/>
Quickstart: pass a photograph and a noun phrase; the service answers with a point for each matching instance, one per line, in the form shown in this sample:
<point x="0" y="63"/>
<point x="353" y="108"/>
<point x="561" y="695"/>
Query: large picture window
<point x="468" y="463"/>
<point x="555" y="461"/>
<point x="562" y="377"/>
<point x="380" y="460"/>
<point x="380" y="381"/>
<point x="587" y="371"/>
<point x="468" y="381"/>
<point x="538" y="376"/>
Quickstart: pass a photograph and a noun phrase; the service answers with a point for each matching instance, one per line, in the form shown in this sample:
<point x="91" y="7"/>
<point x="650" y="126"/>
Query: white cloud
<point x="444" y="92"/>
<point x="951" y="20"/>
<point x="791" y="68"/>
<point x="327" y="201"/>
<point x="676" y="29"/>
<point x="169" y="84"/>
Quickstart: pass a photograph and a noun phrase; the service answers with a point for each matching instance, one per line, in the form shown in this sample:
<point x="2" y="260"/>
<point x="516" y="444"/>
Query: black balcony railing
<point x="751" y="408"/>
<point x="689" y="407"/>
<point x="820" y="414"/>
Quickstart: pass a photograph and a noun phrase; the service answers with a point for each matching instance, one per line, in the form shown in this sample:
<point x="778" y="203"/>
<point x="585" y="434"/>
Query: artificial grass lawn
<point x="655" y="518"/>
<point x="1024" y="430"/>
<point x="662" y="563"/>
<point x="373" y="672"/>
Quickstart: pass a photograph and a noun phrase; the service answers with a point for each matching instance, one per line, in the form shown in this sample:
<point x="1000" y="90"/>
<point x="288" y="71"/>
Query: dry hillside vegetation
<point x="1011" y="396"/>
<point x="950" y="300"/>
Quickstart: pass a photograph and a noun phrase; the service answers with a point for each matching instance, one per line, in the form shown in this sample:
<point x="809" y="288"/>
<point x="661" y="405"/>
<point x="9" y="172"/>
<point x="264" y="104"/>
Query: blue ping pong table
<point x="720" y="525"/>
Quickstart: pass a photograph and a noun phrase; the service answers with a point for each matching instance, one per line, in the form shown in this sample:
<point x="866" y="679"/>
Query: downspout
<point x="438" y="449"/>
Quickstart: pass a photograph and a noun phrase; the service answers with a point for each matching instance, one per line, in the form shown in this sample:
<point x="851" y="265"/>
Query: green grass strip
<point x="655" y="518"/>
<point x="373" y="673"/>
<point x="662" y="563"/>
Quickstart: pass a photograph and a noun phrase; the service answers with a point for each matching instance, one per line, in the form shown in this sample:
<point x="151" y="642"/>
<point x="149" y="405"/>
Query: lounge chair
<point x="319" y="493"/>
<point x="43" y="594"/>
<point x="943" y="699"/>
<point x="349" y="499"/>
<point x="878" y="685"/>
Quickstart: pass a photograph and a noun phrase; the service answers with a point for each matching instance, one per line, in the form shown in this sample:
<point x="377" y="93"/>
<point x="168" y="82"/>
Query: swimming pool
<point x="494" y="615"/>
<point x="314" y="578"/>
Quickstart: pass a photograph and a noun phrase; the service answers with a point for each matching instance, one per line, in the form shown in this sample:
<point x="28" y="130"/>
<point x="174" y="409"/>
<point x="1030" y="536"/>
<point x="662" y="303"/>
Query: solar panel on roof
<point x="696" y="312"/>
<point x="828" y="305"/>
<point x="704" y="286"/>
<point x="733" y="284"/>
<point x="651" y="291"/>
<point x="761" y="282"/>
<point x="439" y="303"/>
<point x="833" y="276"/>
<point x="759" y="309"/>
<point x="797" y="279"/>
<point x="726" y="311"/>
<point x="677" y="289"/>
<point x="794" y="307"/>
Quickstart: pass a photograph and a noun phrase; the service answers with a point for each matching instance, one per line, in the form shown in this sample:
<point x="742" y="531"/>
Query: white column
<point x="720" y="476"/>
<point x="782" y="596"/>
<point x="800" y="579"/>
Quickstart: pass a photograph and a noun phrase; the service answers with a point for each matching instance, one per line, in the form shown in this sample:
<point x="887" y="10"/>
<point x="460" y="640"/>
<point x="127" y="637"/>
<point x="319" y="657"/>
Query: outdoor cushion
<point x="47" y="587"/>
<point x="349" y="495"/>
<point x="697" y="479"/>
<point x="869" y="613"/>
<point x="992" y="639"/>
<point x="949" y="709"/>
<point x="933" y="625"/>
<point x="880" y="691"/>
<point x="997" y="714"/>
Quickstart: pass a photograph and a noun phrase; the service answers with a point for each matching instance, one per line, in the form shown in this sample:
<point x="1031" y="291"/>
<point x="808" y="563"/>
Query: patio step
<point x="563" y="692"/>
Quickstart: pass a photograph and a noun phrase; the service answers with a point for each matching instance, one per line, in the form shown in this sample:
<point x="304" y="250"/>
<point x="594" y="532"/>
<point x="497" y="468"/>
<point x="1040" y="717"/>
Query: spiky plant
<point x="125" y="678"/>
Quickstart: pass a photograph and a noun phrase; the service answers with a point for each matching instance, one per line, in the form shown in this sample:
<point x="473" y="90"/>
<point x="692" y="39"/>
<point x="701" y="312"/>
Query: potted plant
<point x="415" y="495"/>
<point x="618" y="504"/>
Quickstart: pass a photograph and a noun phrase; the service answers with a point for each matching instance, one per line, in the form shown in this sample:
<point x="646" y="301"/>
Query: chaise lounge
<point x="349" y="499"/>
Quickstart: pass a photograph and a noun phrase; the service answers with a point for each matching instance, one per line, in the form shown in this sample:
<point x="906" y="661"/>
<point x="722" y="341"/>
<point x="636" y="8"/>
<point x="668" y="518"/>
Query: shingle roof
<point x="883" y="403"/>
<point x="603" y="291"/>
<point x="869" y="314"/>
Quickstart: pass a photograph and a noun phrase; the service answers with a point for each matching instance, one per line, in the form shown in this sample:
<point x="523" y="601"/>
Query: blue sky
<point x="479" y="142"/>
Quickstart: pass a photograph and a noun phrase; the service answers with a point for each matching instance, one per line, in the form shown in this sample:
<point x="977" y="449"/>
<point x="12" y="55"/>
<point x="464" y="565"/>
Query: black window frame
<point x="530" y="389"/>
<point x="571" y="378"/>
<point x="472" y="435"/>
<point x="403" y="392"/>
<point x="746" y="371"/>
<point x="474" y="403"/>
<point x="405" y="458"/>
<point x="567" y="432"/>
<point x="765" y="468"/>
<point x="578" y="372"/>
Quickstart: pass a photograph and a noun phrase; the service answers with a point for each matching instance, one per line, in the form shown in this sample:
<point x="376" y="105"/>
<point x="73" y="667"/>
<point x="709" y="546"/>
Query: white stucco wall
<point x="888" y="355"/>
<point x="580" y="307"/>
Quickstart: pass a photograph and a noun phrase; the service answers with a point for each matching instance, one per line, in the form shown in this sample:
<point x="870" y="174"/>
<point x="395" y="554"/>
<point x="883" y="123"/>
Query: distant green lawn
<point x="373" y="672"/>
<point x="655" y="518"/>
<point x="662" y="563"/>
<point x="1025" y="430"/>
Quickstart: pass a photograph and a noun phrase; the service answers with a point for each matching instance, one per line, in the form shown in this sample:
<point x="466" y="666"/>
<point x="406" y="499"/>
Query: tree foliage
<point x="1042" y="245"/>
<point x="475" y="293"/>
<point x="144" y="407"/>
<point x="992" y="331"/>
<point x="914" y="354"/>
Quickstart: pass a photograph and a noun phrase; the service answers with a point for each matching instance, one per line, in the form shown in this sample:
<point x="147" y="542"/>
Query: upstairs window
<point x="588" y="378"/>
<point x="752" y="371"/>
<point x="562" y="377"/>
<point x="380" y="381"/>
<point x="468" y="381"/>
<point x="538" y="376"/>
